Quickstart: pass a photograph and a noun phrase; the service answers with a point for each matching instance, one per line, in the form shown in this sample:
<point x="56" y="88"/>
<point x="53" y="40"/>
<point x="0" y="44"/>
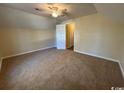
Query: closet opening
<point x="65" y="36"/>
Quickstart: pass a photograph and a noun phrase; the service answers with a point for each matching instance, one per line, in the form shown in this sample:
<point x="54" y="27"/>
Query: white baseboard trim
<point x="113" y="60"/>
<point x="1" y="60"/>
<point x="27" y="52"/>
<point x="122" y="70"/>
<point x="110" y="59"/>
<point x="0" y="63"/>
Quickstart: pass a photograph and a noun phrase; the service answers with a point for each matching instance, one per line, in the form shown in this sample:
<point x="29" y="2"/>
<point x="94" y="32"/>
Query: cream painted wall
<point x="99" y="35"/>
<point x="22" y="32"/>
<point x="14" y="41"/>
<point x="12" y="18"/>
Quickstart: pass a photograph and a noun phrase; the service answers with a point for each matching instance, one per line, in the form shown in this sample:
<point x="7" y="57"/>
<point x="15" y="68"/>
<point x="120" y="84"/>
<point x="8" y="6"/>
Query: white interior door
<point x="61" y="36"/>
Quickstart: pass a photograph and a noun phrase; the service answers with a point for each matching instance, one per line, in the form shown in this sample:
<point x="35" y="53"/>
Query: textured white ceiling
<point x="112" y="10"/>
<point x="74" y="10"/>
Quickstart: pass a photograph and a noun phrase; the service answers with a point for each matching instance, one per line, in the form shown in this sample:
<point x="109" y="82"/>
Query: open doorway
<point x="70" y="36"/>
<point x="65" y="36"/>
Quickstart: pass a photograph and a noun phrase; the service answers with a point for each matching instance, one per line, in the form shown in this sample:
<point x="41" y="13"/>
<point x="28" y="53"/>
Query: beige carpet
<point x="59" y="69"/>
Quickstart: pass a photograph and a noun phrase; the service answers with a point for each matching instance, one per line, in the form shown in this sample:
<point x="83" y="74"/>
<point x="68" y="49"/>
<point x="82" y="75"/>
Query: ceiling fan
<point x="55" y="11"/>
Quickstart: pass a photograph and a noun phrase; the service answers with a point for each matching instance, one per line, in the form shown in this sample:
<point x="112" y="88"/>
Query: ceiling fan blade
<point x="50" y="7"/>
<point x="39" y="9"/>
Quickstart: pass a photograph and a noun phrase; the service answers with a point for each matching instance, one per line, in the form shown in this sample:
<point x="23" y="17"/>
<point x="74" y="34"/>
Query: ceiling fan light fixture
<point x="55" y="14"/>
